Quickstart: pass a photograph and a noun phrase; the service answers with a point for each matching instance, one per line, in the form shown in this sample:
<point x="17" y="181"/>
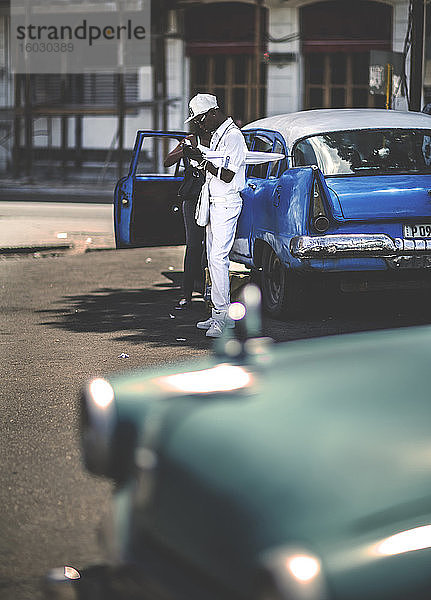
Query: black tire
<point x="256" y="277"/>
<point x="283" y="291"/>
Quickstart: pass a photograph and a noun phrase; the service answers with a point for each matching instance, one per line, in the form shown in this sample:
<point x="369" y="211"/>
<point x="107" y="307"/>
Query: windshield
<point x="367" y="152"/>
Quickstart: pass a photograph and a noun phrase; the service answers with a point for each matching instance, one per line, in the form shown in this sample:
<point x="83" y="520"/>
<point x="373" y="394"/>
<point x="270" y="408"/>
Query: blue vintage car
<point x="349" y="205"/>
<point x="296" y="471"/>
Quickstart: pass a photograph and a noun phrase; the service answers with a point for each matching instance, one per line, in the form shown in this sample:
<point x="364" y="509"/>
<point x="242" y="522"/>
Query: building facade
<point x="260" y="57"/>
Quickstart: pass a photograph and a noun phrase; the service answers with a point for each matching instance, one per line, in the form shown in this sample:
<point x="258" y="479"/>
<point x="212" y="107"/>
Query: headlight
<point x="108" y="443"/>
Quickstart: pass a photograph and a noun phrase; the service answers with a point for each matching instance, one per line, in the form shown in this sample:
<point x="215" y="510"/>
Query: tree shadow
<point x="137" y="315"/>
<point x="148" y="315"/>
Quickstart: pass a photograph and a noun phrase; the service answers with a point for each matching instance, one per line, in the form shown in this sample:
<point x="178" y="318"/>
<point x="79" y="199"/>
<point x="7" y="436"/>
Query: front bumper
<point x="398" y="252"/>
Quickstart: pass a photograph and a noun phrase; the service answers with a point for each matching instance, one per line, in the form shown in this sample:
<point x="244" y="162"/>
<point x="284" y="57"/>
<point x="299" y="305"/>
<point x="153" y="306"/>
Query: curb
<point x="34" y="248"/>
<point x="44" y="193"/>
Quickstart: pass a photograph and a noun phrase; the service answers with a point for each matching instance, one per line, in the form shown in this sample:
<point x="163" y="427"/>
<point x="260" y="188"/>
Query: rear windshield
<point x="367" y="152"/>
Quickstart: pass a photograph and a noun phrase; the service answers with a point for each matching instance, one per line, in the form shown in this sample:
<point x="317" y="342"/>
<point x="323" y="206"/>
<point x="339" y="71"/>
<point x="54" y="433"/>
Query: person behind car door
<point x="189" y="193"/>
<point x="225" y="177"/>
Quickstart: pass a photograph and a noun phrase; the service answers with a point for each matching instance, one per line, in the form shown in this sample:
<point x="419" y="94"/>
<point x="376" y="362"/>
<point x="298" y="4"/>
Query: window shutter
<point x="89" y="88"/>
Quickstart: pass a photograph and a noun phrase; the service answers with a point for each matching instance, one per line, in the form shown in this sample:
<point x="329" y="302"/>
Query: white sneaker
<point x="216" y="329"/>
<point x="205" y="324"/>
<point x="216" y="316"/>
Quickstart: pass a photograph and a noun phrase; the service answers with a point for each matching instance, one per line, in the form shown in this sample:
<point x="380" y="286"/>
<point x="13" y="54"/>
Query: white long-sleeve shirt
<point x="230" y="141"/>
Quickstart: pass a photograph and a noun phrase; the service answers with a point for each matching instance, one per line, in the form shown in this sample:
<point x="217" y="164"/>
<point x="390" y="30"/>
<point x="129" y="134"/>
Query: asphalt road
<point x="63" y="321"/>
<point x="68" y="318"/>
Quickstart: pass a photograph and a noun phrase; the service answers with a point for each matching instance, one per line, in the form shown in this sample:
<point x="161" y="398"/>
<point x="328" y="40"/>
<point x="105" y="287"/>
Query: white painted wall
<point x="284" y="85"/>
<point x="176" y="76"/>
<point x="400" y="20"/>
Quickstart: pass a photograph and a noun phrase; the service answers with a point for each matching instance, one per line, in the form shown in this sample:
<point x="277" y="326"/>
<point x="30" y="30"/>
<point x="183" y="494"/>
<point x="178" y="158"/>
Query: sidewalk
<point x="54" y="227"/>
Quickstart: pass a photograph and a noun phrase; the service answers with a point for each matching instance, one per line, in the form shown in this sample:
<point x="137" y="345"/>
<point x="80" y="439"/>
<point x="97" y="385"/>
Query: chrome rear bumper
<point x="331" y="246"/>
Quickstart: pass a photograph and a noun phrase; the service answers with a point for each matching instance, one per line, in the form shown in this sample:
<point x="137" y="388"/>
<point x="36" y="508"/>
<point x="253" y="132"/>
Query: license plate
<point x="417" y="231"/>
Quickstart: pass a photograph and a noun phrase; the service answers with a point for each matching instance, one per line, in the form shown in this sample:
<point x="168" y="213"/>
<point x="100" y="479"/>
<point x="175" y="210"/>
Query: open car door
<point x="147" y="209"/>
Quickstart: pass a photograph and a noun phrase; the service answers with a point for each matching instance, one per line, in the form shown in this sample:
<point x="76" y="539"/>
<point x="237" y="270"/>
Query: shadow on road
<point x="353" y="312"/>
<point x="136" y="315"/>
<point x="148" y="315"/>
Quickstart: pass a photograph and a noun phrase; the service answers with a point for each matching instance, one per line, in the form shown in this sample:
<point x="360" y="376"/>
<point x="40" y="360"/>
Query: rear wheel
<point x="282" y="291"/>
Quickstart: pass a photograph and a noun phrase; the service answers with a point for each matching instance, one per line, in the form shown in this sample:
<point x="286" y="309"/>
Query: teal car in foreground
<point x="268" y="472"/>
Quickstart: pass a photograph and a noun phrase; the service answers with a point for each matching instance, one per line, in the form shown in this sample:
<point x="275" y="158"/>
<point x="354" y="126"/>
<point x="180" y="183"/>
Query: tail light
<point x="319" y="219"/>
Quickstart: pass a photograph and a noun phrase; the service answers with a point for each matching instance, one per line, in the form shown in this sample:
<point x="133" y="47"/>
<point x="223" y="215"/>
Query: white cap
<point x="201" y="104"/>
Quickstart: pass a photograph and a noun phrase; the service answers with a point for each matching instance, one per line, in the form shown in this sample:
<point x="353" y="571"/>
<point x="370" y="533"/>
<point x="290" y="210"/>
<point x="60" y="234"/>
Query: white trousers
<point x="220" y="235"/>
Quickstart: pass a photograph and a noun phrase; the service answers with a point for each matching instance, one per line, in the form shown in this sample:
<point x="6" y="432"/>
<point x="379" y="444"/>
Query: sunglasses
<point x="200" y="119"/>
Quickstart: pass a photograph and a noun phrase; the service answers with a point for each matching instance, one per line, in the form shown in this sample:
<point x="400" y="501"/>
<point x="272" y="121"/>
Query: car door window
<point x="279" y="166"/>
<point x="248" y="139"/>
<point x="262" y="143"/>
<point x="152" y="154"/>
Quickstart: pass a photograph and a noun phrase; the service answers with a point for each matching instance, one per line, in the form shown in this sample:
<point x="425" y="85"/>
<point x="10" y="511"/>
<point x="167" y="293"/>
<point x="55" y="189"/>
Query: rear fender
<point x="289" y="216"/>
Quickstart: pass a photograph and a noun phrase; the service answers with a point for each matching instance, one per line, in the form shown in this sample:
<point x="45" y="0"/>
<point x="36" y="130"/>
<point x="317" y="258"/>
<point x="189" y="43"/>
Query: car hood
<point x="383" y="197"/>
<point x="328" y="446"/>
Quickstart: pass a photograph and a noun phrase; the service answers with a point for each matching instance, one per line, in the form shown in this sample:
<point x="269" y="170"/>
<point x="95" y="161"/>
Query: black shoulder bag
<point x="192" y="183"/>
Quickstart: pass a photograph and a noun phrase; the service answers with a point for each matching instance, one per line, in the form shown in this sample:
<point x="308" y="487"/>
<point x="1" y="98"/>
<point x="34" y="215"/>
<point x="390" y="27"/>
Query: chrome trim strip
<point x="305" y="246"/>
<point x="399" y="244"/>
<point x="409" y="245"/>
